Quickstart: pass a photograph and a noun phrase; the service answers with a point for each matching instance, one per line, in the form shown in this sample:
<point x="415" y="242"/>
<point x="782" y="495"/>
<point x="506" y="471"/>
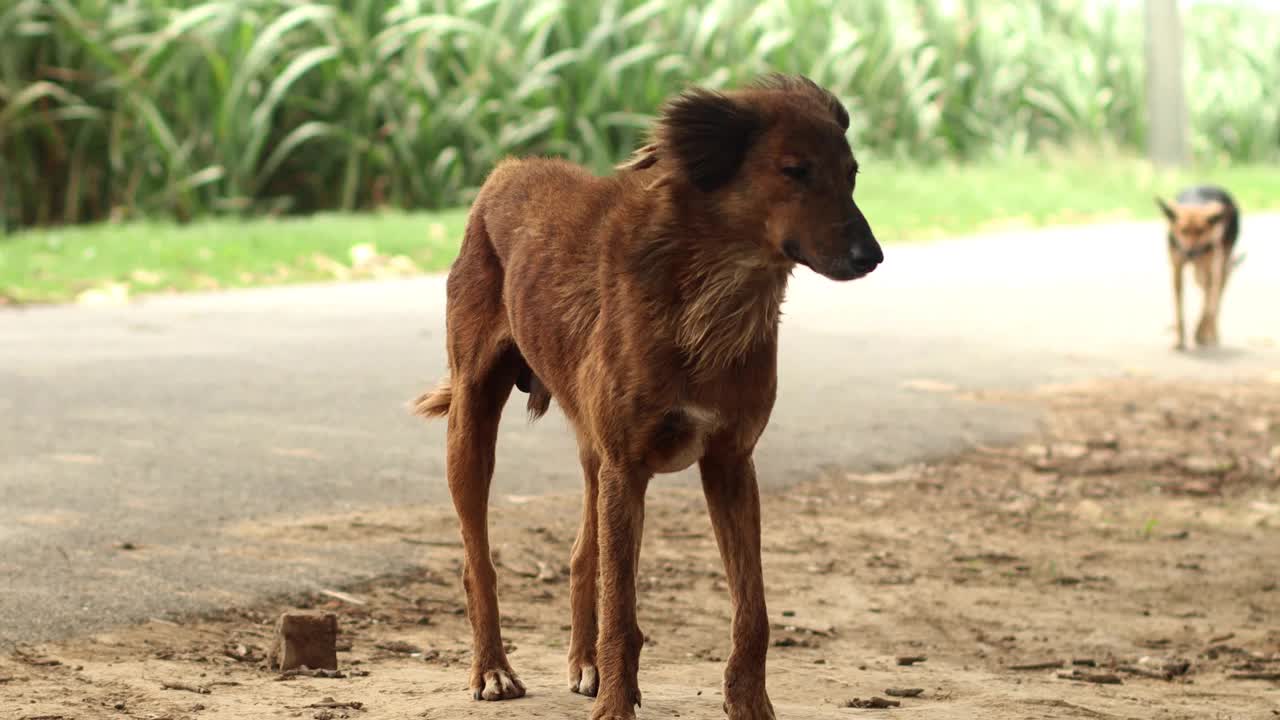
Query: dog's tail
<point x="436" y="402"/>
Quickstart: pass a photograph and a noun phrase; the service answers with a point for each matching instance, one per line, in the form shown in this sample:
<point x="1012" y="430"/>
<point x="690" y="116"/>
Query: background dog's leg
<point x="621" y="520"/>
<point x="474" y="412"/>
<point x="1217" y="281"/>
<point x="733" y="500"/>
<point x="583" y="566"/>
<point x="1180" y="327"/>
<point x="1208" y="276"/>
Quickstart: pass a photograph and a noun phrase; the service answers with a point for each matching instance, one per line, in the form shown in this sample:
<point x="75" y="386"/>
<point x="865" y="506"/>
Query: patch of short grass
<point x="904" y="203"/>
<point x="146" y="257"/>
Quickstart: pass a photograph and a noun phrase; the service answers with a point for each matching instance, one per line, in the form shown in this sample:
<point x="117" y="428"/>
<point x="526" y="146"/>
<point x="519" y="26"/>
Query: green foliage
<point x="118" y="108"/>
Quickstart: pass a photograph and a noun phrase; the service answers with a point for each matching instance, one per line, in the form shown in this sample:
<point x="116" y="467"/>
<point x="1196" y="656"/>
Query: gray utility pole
<point x="1167" y="130"/>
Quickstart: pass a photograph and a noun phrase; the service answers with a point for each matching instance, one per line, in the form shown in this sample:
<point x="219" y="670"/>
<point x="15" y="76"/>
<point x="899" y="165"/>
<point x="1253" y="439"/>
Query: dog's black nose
<point x="866" y="255"/>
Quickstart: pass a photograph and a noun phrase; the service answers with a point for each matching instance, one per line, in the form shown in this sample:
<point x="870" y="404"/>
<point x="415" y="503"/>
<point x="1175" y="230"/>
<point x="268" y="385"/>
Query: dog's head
<point x="771" y="162"/>
<point x="1192" y="227"/>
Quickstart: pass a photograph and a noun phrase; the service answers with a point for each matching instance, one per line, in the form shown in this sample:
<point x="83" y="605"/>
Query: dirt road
<point x="1125" y="554"/>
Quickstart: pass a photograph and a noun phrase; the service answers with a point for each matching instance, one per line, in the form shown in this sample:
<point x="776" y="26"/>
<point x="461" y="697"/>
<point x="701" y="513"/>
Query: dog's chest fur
<point x="723" y="329"/>
<point x="653" y="337"/>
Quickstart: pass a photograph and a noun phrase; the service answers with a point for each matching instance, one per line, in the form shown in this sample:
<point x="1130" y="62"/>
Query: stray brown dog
<point x="647" y="304"/>
<point x="1204" y="223"/>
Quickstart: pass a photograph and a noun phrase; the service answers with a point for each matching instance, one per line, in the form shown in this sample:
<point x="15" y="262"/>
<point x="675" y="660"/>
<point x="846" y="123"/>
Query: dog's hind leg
<point x="483" y="365"/>
<point x="474" y="412"/>
<point x="733" y="500"/>
<point x="583" y="566"/>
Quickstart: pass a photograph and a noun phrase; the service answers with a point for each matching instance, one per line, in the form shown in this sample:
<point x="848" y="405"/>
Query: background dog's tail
<point x="436" y="402"/>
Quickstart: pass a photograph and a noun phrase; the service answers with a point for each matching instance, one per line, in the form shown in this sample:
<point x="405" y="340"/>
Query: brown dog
<point x="647" y="304"/>
<point x="1204" y="223"/>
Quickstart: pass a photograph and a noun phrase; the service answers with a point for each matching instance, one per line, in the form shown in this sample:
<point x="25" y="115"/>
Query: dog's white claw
<point x="501" y="685"/>
<point x="586" y="682"/>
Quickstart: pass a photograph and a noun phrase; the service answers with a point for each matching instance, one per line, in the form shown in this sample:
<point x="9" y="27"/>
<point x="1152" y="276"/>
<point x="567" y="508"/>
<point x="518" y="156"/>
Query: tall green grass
<point x="118" y="108"/>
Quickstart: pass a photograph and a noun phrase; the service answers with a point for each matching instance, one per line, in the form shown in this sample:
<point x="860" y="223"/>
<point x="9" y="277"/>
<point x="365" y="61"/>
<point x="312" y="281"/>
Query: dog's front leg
<point x="1207" y="334"/>
<point x="1181" y="343"/>
<point x="621" y="524"/>
<point x="733" y="499"/>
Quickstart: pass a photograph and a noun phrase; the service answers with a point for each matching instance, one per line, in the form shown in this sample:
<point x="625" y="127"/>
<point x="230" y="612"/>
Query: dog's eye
<point x="796" y="172"/>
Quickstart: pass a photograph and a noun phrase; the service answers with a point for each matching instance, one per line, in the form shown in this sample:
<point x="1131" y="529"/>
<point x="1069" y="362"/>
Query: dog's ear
<point x="1164" y="208"/>
<point x="707" y="134"/>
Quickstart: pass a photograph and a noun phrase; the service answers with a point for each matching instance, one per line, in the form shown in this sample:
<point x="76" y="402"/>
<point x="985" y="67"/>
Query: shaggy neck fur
<point x="732" y="305"/>
<point x="730" y="293"/>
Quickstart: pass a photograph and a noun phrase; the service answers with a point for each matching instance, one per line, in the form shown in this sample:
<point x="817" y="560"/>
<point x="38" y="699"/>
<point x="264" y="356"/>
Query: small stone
<point x="872" y="703"/>
<point x="904" y="692"/>
<point x="1035" y="451"/>
<point x="305" y="638"/>
<point x="1196" y="488"/>
<point x="1208" y="465"/>
<point x="1068" y="451"/>
<point x="399" y="647"/>
<point x="1105" y="441"/>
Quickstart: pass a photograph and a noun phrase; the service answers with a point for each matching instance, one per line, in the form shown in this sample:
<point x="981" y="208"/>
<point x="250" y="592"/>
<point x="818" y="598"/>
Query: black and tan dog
<point x="1204" y="223"/>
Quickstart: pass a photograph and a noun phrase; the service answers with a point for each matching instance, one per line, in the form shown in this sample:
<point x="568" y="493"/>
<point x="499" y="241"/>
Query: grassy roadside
<point x="113" y="262"/>
<point x="926" y="203"/>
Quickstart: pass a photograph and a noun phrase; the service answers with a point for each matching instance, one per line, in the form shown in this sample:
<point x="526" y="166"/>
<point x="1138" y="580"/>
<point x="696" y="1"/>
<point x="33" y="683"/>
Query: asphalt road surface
<point x="166" y="422"/>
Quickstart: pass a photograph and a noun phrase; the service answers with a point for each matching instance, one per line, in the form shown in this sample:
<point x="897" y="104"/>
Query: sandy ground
<point x="1134" y="538"/>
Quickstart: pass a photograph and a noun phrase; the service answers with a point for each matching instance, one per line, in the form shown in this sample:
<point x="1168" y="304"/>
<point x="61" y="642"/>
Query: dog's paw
<point x="1207" y="333"/>
<point x="499" y="685"/>
<point x="608" y="715"/>
<point x="607" y="707"/>
<point x="757" y="708"/>
<point x="604" y="713"/>
<point x="583" y="679"/>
